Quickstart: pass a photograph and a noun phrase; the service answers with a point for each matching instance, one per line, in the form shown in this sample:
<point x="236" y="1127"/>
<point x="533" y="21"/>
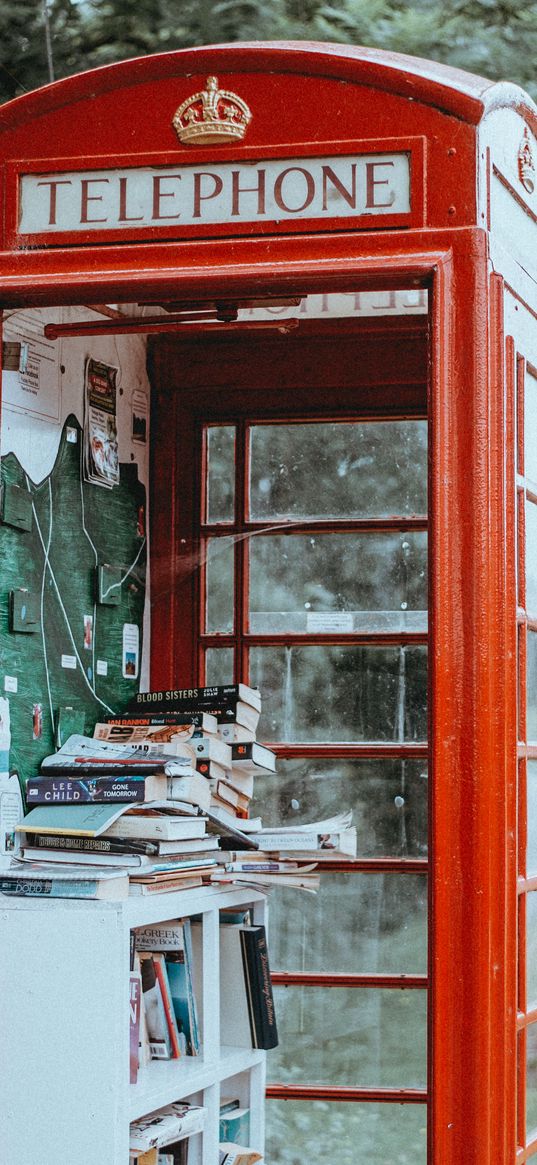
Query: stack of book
<point x="161" y="1137"/>
<point x="215" y="727"/>
<point x="164" y="1013"/>
<point x="107" y="820"/>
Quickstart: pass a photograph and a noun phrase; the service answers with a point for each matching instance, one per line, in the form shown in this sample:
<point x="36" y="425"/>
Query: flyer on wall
<point x="101" y="457"/>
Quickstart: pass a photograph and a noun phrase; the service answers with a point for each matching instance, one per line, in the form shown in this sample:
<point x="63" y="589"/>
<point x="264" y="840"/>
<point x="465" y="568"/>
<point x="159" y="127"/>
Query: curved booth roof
<point x="450" y="90"/>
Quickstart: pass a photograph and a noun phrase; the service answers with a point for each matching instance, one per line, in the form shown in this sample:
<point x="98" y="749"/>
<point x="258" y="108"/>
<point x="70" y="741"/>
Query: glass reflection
<point x="361" y="1037"/>
<point x="388" y="799"/>
<point x="338" y="470"/>
<point x="220" y="473"/>
<point x="365" y="1134"/>
<point x="341" y="582"/>
<point x="341" y="693"/>
<point x="359" y="923"/>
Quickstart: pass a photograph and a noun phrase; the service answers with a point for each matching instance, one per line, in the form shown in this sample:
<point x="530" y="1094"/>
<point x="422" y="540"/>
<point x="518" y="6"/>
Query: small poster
<point x="101" y="456"/>
<point x="35" y="387"/>
<point x="131" y="651"/>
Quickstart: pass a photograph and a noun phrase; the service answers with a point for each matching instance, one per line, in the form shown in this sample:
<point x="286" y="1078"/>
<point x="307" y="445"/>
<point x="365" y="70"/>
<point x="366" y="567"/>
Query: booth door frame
<point x="472" y="690"/>
<point x="472" y="606"/>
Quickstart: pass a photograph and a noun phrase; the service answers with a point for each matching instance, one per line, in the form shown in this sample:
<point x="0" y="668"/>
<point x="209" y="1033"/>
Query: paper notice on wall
<point x="329" y="622"/>
<point x="131" y="651"/>
<point x="34" y="388"/>
<point x="101" y="456"/>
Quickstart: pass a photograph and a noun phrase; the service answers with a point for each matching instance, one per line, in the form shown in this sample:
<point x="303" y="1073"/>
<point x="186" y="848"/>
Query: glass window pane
<point x="531" y="558"/>
<point x="338" y="470"/>
<point x="531" y="797"/>
<point x="219" y="577"/>
<point x="531" y="949"/>
<point x="530" y="427"/>
<point x="531" y="1079"/>
<point x="356" y="923"/>
<point x="388" y="799"/>
<point x="531" y="686"/>
<point x="341" y="693"/>
<point x="219" y="665"/>
<point x="220" y="505"/>
<point x="364" y="1134"/>
<point x="340" y="582"/>
<point x="362" y="1037"/>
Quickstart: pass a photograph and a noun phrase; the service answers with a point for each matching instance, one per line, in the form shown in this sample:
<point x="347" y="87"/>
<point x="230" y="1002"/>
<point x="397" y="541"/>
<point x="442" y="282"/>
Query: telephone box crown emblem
<point x="214" y="115"/>
<point x="526" y="163"/>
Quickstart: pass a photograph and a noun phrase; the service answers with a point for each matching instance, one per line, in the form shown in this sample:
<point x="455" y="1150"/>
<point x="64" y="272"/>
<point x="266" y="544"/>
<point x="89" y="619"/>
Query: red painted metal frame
<point x="335" y="1094"/>
<point x="472" y="968"/>
<point x="304" y="979"/>
<point x="472" y="971"/>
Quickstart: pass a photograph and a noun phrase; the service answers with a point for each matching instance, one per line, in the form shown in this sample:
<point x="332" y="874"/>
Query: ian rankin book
<point x="197" y="721"/>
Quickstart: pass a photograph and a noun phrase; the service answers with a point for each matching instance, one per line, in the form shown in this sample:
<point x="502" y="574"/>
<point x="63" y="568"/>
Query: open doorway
<point x="298" y="532"/>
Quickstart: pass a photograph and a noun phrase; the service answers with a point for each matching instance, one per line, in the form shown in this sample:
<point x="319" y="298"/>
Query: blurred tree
<point x="497" y="38"/>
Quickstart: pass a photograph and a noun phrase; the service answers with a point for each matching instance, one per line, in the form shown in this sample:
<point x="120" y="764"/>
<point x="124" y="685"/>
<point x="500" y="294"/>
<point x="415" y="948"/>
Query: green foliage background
<point x="496" y="38"/>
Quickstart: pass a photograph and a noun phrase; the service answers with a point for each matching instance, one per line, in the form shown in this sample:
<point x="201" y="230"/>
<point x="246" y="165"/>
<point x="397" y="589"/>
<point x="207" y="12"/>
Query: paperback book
<point x="166" y="1125"/>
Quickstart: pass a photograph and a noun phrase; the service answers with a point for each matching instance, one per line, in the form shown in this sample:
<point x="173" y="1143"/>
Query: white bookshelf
<point x="64" y="1035"/>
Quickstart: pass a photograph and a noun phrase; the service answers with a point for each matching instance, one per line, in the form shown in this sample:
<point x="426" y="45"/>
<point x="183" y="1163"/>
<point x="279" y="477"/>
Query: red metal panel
<point x="473" y="741"/>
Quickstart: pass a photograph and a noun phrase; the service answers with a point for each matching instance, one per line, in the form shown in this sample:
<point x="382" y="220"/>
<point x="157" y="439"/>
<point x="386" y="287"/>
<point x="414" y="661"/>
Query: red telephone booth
<point x="332" y="254"/>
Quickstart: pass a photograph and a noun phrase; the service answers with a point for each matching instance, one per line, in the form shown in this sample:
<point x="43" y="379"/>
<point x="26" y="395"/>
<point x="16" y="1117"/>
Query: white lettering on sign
<point x="233" y="192"/>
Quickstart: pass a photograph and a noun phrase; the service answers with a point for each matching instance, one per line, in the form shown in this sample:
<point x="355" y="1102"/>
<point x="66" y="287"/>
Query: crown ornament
<point x="526" y="163"/>
<point x="212" y="116"/>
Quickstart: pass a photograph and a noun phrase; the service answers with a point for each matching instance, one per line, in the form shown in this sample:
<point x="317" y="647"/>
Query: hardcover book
<point x="179" y="967"/>
<point x="247" y="1016"/>
<point x="138" y="825"/>
<point x="253" y="758"/>
<point x="197" y="720"/>
<point x="186" y="698"/>
<point x="160" y="1044"/>
<point x="212" y="749"/>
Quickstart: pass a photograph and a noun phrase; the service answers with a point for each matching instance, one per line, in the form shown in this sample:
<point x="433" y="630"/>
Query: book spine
<point x="192" y="1005"/>
<point x="158" y="720"/>
<point x="135" y="999"/>
<point x="50" y="887"/>
<point x="157" y="1027"/>
<point x="93" y="845"/>
<point x="173" y="1031"/>
<point x="47" y="790"/>
<point x="259" y="987"/>
<point x="299" y="841"/>
<point x="187" y="696"/>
